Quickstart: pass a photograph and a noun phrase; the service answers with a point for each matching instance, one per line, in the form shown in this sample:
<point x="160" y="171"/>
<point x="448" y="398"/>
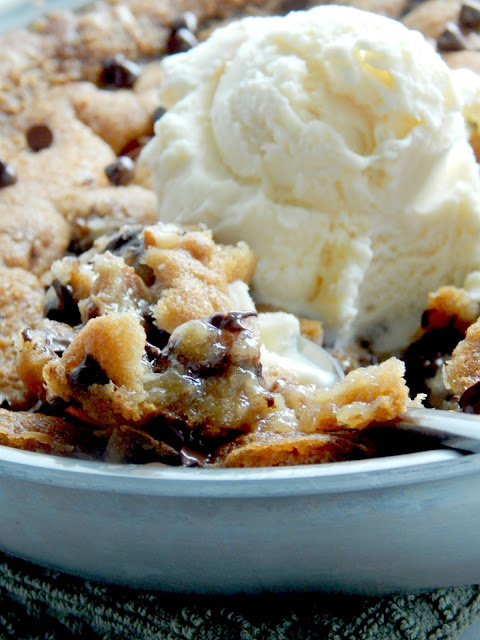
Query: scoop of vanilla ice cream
<point x="333" y="142"/>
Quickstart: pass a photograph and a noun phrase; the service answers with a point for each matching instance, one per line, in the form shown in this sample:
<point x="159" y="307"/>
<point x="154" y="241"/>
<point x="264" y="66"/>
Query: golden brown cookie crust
<point x="44" y="434"/>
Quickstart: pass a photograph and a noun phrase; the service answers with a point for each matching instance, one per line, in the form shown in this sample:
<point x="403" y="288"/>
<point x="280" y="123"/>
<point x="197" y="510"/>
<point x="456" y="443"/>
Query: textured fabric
<point x="38" y="604"/>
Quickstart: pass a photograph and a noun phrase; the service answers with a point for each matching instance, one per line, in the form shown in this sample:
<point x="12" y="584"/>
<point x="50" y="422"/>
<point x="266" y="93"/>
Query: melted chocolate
<point x="231" y="320"/>
<point x="88" y="372"/>
<point x="56" y="343"/>
<point x="470" y="399"/>
<point x="60" y="305"/>
<point x="424" y="357"/>
<point x="190" y="458"/>
<point x="209" y="369"/>
<point x="194" y="449"/>
<point x="155" y="336"/>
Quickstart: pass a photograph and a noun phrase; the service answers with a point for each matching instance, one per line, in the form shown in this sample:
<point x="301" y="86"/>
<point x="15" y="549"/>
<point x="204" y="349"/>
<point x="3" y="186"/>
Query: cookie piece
<point x="270" y="449"/>
<point x="36" y="345"/>
<point x="101" y="371"/>
<point x="463" y="370"/>
<point x="328" y="423"/>
<point x="134" y="446"/>
<point x="21" y="302"/>
<point x="164" y="273"/>
<point x="448" y="314"/>
<point x="204" y="388"/>
<point x="207" y="377"/>
<point x="450" y="307"/>
<point x="109" y="302"/>
<point x="375" y="394"/>
<point x="45" y="434"/>
<point x="135" y="28"/>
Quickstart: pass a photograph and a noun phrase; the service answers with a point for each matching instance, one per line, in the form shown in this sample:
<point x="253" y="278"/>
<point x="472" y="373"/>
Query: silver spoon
<point x="451" y="429"/>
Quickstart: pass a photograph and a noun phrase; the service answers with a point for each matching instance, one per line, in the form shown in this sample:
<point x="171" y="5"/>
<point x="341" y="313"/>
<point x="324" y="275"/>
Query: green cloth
<point x="39" y="604"/>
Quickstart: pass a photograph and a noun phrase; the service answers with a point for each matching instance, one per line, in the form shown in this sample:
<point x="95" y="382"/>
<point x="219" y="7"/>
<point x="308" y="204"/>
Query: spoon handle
<point x="451" y="429"/>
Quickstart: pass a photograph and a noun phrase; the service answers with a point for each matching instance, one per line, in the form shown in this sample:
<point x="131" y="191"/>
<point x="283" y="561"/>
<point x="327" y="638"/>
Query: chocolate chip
<point x="168" y="432"/>
<point x="56" y="343"/>
<point x="8" y="175"/>
<point x="124" y="239"/>
<point x="230" y="320"/>
<point x="91" y="310"/>
<point x="155" y="336"/>
<point x="181" y="41"/>
<point x="60" y="305"/>
<point x="121" y="172"/>
<point x="191" y="458"/>
<point x="55" y="406"/>
<point x="158" y="113"/>
<point x="179" y="435"/>
<point x="160" y="360"/>
<point x="88" y="372"/>
<point x="209" y="368"/>
<point x="186" y="20"/>
<point x="153" y="352"/>
<point x="470" y="399"/>
<point x="469" y="17"/>
<point x="133" y="147"/>
<point x="39" y="136"/>
<point x="451" y="39"/>
<point x="118" y="73"/>
<point x="129" y="244"/>
<point x="27" y="334"/>
<point x="426" y="318"/>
